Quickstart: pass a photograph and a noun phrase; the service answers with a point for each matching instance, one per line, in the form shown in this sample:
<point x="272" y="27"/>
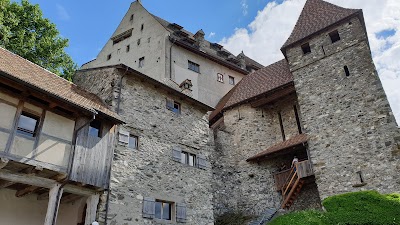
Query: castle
<point x="207" y="132"/>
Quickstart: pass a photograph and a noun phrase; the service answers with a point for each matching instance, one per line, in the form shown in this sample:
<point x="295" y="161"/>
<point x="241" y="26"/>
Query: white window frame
<point x="220" y="77"/>
<point x="231" y="80"/>
<point x="141" y="62"/>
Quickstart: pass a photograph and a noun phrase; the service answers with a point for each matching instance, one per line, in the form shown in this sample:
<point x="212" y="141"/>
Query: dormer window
<point x="334" y="36"/>
<point x="306" y="48"/>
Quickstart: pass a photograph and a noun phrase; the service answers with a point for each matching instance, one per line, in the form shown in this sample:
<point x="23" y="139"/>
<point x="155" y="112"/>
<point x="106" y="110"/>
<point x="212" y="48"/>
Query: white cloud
<point x="265" y="35"/>
<point x="212" y="34"/>
<point x="245" y="7"/>
<point x="62" y="13"/>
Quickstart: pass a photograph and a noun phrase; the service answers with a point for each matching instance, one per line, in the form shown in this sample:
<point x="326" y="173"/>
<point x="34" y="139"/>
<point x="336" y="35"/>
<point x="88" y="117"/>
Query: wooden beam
<point x="5" y="184"/>
<point x="32" y="189"/>
<point x="53" y="205"/>
<point x="3" y="162"/>
<point x="91" y="209"/>
<point x="43" y="196"/>
<point x="70" y="198"/>
<point x="43" y="182"/>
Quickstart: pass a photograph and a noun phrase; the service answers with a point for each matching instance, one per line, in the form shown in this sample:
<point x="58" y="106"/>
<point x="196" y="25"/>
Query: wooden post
<point x="91" y="209"/>
<point x="3" y="163"/>
<point x="54" y="202"/>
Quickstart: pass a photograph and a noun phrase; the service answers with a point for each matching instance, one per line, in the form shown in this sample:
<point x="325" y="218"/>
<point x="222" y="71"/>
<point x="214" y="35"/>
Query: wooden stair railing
<point x="295" y="182"/>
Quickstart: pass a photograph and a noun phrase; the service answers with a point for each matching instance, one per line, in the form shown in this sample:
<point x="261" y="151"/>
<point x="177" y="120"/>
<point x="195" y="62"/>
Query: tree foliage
<point x="24" y="31"/>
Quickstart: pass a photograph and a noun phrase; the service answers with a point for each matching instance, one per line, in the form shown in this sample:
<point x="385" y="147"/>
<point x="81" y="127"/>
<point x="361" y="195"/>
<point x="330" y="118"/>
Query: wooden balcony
<point x="290" y="182"/>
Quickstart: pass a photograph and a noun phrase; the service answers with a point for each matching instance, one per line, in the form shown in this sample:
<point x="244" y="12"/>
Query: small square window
<point x="141" y="62"/>
<point x="220" y="78"/>
<point x="334" y="36"/>
<point x="193" y="66"/>
<point x="128" y="48"/>
<point x="108" y="57"/>
<point x="306" y="48"/>
<point x="95" y="128"/>
<point x="231" y="80"/>
<point x="28" y="124"/>
<point x="133" y="141"/>
<point x="188" y="159"/>
<point x="163" y="210"/>
<point x="174" y="106"/>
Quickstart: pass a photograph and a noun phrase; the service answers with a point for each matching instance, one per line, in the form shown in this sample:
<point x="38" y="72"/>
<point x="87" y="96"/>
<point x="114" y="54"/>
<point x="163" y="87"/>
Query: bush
<point x="359" y="208"/>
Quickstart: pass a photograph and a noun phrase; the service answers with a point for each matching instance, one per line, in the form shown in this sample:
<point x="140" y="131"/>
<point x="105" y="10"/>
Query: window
<point x="133" y="142"/>
<point x="296" y="114"/>
<point x="346" y="71"/>
<point x="231" y="80"/>
<point x="163" y="210"/>
<point x="109" y="57"/>
<point x="306" y="48"/>
<point x="220" y="78"/>
<point x="28" y="124"/>
<point x="142" y="27"/>
<point x="194" y="66"/>
<point x="334" y="36"/>
<point x="138" y="41"/>
<point x="119" y="51"/>
<point x="141" y="62"/>
<point x="148" y="40"/>
<point x="95" y="128"/>
<point x="281" y="125"/>
<point x="188" y="159"/>
<point x="131" y="19"/>
<point x="128" y="48"/>
<point x="173" y="106"/>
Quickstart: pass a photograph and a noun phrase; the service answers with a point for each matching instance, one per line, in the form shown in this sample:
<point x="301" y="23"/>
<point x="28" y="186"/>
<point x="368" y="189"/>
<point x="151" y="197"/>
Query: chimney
<point x="199" y="37"/>
<point x="242" y="61"/>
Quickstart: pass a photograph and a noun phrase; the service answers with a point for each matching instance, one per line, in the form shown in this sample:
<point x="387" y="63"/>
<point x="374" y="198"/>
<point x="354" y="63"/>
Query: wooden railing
<point x="293" y="182"/>
<point x="280" y="179"/>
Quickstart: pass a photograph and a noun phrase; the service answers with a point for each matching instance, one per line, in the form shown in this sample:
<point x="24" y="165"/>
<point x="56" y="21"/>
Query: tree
<point x="24" y="31"/>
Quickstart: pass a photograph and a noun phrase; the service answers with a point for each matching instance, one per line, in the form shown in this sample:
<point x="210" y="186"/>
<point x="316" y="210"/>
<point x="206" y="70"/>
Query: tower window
<point x="231" y="80"/>
<point x="128" y="48"/>
<point x="281" y="125"/>
<point x="306" y="48"/>
<point x="220" y="78"/>
<point x="346" y="70"/>
<point x="108" y="57"/>
<point x="138" y="41"/>
<point x="131" y="19"/>
<point x="334" y="36"/>
<point x="142" y="27"/>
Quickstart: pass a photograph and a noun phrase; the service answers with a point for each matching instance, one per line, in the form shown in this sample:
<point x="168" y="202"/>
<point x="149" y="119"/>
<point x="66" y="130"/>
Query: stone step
<point x="266" y="216"/>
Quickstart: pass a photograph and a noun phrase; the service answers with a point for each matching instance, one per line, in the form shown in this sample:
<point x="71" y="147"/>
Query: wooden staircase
<point x="294" y="183"/>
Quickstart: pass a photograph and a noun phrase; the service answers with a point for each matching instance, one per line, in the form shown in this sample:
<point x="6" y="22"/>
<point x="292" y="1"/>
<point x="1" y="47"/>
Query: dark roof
<point x="186" y="39"/>
<point x="316" y="16"/>
<point x="23" y="71"/>
<point x="292" y="142"/>
<point x="255" y="84"/>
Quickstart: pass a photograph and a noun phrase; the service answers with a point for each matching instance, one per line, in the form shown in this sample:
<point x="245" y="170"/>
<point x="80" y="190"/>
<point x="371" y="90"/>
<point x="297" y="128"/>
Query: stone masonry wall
<point x="348" y="118"/>
<point x="150" y="171"/>
<point x="244" y="186"/>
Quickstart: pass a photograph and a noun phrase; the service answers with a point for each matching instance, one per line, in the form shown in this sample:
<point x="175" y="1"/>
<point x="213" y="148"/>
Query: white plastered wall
<point x="30" y="211"/>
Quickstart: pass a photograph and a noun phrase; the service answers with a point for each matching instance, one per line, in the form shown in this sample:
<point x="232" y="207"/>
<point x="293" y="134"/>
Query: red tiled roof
<point x="257" y="83"/>
<point x="316" y="16"/>
<point x="25" y="71"/>
<point x="296" y="140"/>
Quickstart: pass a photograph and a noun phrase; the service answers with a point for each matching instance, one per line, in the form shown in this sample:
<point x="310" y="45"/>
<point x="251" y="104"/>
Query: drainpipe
<point x="170" y="56"/>
<point x="72" y="161"/>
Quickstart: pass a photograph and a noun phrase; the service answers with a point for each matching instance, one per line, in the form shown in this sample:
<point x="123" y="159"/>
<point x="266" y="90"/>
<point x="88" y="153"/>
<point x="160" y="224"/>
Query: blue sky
<point x="88" y="24"/>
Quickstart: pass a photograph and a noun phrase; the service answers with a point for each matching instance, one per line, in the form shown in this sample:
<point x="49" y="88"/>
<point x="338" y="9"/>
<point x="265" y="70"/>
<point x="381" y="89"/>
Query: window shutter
<point x="201" y="161"/>
<point x="170" y="104"/>
<point x="149" y="207"/>
<point x="123" y="137"/>
<point x="176" y="154"/>
<point x="180" y="212"/>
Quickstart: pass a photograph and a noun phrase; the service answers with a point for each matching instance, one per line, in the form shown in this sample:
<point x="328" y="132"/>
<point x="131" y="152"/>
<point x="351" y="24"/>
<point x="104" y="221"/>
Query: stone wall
<point x="348" y="118"/>
<point x="245" y="186"/>
<point x="150" y="170"/>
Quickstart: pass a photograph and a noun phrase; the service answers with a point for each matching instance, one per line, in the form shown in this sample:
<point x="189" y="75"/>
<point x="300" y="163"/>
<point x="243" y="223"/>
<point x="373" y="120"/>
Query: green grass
<point x="359" y="208"/>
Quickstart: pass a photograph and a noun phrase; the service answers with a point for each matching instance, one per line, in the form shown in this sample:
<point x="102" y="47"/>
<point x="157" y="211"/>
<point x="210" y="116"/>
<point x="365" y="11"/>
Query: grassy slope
<point x="359" y="208"/>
